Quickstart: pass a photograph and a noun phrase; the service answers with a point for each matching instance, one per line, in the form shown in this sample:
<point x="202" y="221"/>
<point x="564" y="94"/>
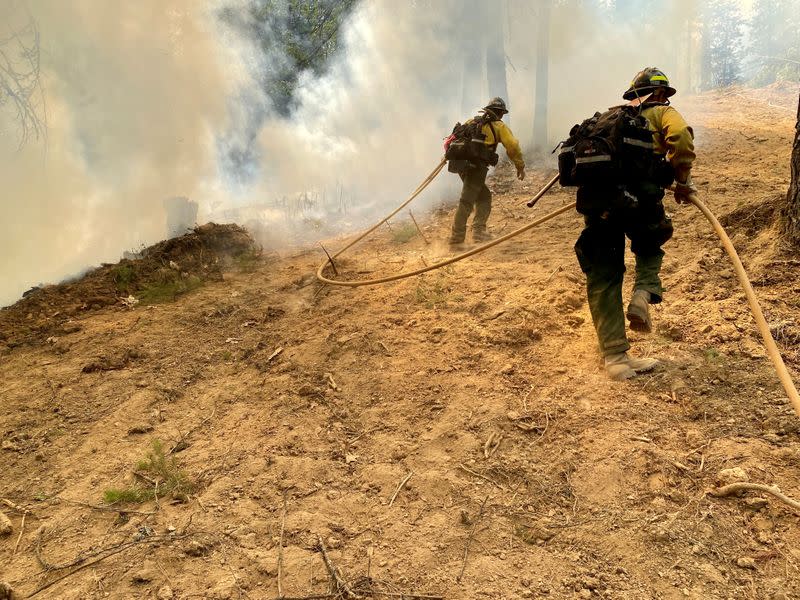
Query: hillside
<point x="294" y="411"/>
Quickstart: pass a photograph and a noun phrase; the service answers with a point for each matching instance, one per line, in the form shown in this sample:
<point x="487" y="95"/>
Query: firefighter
<point x="474" y="192"/>
<point x="641" y="217"/>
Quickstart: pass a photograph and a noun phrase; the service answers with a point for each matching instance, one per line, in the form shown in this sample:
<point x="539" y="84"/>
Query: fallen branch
<point x="469" y="539"/>
<point x="19" y="537"/>
<point x="81" y="564"/>
<point x="400" y="487"/>
<point x="330" y="260"/>
<point x="492" y="444"/>
<point x="340" y="585"/>
<point x="418" y="228"/>
<point x="311" y="597"/>
<point x="408" y="595"/>
<point x="484" y="477"/>
<point x="13" y="506"/>
<point x="773" y="490"/>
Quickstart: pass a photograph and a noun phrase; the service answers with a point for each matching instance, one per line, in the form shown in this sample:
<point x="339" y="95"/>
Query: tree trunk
<point x="791" y="212"/>
<point x="496" y="55"/>
<point x="542" y="77"/>
<point x="474" y="47"/>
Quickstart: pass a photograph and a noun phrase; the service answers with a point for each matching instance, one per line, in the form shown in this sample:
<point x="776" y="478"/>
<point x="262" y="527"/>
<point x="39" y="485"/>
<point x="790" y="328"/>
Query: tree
<point x="791" y="212"/>
<point x="496" y="54"/>
<point x="472" y="45"/>
<point x="21" y="95"/>
<point x="294" y="36"/>
<point x="542" y="76"/>
<point x="774" y="47"/>
<point x="722" y="43"/>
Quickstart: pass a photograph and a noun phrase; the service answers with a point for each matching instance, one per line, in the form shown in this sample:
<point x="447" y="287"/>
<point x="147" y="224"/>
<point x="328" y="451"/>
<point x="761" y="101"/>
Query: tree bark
<point x="791" y="212"/>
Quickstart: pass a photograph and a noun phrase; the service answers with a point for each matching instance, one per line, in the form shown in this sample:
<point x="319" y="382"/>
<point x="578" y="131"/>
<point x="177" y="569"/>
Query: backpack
<point x="612" y="148"/>
<point x="467" y="144"/>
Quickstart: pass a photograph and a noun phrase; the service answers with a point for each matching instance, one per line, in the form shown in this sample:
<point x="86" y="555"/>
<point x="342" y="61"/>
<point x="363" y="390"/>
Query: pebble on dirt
<point x="5" y="526"/>
<point x="734" y="475"/>
<point x="746" y="562"/>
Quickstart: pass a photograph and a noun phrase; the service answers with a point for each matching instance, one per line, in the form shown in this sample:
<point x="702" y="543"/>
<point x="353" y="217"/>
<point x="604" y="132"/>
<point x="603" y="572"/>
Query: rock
<point x="734" y="475"/>
<point x="507" y="369"/>
<point x="711" y="573"/>
<point x="308" y="390"/>
<point x="9" y="446"/>
<point x="746" y="562"/>
<point x="71" y="327"/>
<point x="755" y="503"/>
<point x="5" y="524"/>
<point x="6" y="591"/>
<point x="144" y="575"/>
<point x="660" y="535"/>
<point x="165" y="593"/>
<point x="762" y="523"/>
<point x="753" y="349"/>
<point x="139" y="429"/>
<point x="195" y="548"/>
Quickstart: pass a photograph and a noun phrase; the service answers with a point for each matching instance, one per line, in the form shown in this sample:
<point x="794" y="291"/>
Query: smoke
<point x="149" y="100"/>
<point x="133" y="94"/>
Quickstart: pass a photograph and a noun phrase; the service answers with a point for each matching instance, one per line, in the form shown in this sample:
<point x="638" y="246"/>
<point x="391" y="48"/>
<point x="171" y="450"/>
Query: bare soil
<point x="271" y="391"/>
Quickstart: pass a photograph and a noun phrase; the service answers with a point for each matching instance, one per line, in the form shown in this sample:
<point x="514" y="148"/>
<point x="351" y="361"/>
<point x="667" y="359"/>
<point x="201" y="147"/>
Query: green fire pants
<point x="474" y="194"/>
<point x="610" y="215"/>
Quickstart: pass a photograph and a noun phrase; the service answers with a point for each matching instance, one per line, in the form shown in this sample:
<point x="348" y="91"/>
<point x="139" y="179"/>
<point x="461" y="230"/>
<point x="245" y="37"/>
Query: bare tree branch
<point x="21" y="91"/>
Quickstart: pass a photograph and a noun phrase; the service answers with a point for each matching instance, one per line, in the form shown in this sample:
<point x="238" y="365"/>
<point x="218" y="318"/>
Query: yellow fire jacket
<point x="673" y="137"/>
<point x="505" y="137"/>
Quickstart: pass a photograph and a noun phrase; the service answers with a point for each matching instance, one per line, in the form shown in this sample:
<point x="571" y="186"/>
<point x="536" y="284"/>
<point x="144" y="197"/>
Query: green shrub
<point x="168" y="480"/>
<point x="404" y="233"/>
<point x="169" y="289"/>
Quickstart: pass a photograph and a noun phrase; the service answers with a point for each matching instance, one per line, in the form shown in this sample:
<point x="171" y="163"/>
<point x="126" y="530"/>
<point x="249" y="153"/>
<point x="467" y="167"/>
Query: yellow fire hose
<point x="442" y="263"/>
<point x="761" y="322"/>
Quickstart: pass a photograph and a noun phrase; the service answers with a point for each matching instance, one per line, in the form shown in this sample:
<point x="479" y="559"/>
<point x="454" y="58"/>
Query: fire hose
<point x="761" y="322"/>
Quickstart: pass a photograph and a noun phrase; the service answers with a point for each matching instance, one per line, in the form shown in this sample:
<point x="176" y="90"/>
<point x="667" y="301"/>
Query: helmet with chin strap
<point x="648" y="81"/>
<point x="497" y="106"/>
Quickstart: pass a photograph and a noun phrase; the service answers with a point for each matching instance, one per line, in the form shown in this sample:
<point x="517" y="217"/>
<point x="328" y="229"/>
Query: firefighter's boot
<point x="621" y="366"/>
<point x="480" y="235"/>
<point x="639" y="312"/>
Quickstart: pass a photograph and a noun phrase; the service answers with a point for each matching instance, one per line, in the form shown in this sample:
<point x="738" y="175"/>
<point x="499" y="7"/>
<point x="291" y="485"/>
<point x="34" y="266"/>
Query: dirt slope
<point x="595" y="490"/>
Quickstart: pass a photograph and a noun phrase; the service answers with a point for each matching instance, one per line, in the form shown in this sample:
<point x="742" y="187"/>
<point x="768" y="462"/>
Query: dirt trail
<point x="595" y="490"/>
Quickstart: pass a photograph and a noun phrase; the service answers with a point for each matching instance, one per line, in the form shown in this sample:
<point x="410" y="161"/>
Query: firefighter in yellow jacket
<point x="473" y="168"/>
<point x="601" y="246"/>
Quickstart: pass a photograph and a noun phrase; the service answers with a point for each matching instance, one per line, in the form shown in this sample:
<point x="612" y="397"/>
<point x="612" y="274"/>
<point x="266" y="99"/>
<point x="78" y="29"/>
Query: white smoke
<point x="144" y="99"/>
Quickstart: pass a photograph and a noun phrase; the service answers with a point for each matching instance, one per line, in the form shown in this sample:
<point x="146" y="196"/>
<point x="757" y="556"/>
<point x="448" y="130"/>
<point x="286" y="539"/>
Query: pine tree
<point x="723" y="35"/>
<point x="774" y="47"/>
<point x="295" y="36"/>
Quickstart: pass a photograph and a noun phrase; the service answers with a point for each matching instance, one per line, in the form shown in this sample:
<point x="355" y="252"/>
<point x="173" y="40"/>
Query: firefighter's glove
<point x="683" y="191"/>
<point x="520" y="173"/>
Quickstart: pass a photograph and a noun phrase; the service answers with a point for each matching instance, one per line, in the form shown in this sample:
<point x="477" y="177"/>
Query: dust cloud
<point x="145" y="100"/>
